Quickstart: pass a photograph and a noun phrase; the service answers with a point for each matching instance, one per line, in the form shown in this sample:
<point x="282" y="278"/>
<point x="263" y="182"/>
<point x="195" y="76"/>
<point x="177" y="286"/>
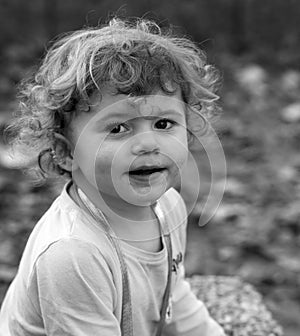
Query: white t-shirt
<point x="69" y="280"/>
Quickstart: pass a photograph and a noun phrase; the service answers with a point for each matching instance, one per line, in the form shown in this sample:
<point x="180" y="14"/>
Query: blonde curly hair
<point x="132" y="57"/>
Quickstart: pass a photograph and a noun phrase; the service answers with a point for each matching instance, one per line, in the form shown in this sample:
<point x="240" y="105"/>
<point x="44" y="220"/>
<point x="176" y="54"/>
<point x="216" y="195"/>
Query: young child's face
<point x="130" y="149"/>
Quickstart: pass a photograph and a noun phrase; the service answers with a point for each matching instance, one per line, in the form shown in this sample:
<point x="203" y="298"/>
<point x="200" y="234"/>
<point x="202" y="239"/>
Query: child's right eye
<point x="118" y="128"/>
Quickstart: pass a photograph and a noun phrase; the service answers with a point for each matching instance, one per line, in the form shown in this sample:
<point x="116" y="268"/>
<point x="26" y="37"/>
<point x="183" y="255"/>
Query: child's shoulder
<point x="172" y="199"/>
<point x="62" y="228"/>
<point x="173" y="206"/>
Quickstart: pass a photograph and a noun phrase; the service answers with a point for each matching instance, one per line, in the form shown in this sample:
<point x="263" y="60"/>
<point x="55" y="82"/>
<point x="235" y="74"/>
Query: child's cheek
<point x="181" y="153"/>
<point x="103" y="161"/>
<point x="109" y="162"/>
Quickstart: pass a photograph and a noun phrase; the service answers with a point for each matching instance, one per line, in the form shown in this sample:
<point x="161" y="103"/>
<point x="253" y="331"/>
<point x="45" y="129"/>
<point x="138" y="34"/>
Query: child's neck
<point x="135" y="224"/>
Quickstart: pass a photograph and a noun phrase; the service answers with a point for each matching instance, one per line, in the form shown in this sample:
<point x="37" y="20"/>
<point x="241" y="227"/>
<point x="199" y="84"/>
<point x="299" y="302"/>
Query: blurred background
<point x="255" y="233"/>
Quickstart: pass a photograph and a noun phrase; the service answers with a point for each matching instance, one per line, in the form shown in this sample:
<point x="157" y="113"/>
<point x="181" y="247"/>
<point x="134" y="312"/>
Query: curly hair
<point x="132" y="57"/>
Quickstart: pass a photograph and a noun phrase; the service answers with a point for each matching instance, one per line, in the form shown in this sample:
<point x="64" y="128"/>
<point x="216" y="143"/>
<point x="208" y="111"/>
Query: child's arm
<point x="76" y="292"/>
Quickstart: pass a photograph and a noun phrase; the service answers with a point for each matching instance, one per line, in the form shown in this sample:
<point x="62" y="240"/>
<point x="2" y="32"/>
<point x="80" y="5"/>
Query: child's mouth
<point x="145" y="171"/>
<point x="145" y="174"/>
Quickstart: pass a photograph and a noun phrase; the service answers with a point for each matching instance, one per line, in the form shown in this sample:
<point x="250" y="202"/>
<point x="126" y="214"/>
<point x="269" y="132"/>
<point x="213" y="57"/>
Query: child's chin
<point x="142" y="191"/>
<point x="145" y="196"/>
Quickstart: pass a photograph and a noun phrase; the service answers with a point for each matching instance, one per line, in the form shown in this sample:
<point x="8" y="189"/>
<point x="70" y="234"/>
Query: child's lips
<point x="146" y="173"/>
<point x="146" y="170"/>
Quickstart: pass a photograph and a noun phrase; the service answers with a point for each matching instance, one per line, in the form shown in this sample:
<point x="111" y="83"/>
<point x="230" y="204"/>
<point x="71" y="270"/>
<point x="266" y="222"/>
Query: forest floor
<point x="255" y="232"/>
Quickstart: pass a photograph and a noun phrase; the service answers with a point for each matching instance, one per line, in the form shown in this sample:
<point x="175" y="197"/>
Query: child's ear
<point x="68" y="164"/>
<point x="64" y="150"/>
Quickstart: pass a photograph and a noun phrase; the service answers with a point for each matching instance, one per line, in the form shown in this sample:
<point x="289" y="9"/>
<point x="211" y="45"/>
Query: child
<point x="113" y="109"/>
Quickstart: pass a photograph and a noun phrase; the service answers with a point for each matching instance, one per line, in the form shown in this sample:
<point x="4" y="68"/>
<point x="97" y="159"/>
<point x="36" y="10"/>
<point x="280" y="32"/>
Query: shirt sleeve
<point x="76" y="291"/>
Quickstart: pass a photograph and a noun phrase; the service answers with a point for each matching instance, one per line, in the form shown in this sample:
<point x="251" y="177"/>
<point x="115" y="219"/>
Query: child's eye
<point x="118" y="128"/>
<point x="164" y="124"/>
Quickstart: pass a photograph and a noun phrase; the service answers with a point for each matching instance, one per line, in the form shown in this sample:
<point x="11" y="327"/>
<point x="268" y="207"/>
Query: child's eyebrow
<point x="161" y="113"/>
<point x="128" y="116"/>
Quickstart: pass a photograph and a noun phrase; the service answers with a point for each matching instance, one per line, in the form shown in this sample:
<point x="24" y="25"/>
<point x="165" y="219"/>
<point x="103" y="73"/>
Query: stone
<point x="291" y="113"/>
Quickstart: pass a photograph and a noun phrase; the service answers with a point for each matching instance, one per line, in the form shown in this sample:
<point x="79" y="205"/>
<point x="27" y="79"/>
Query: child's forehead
<point x="109" y="104"/>
<point x="153" y="105"/>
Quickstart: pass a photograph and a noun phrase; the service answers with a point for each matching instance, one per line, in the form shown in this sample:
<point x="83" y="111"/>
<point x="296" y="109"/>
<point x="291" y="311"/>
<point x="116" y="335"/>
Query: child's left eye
<point x="164" y="124"/>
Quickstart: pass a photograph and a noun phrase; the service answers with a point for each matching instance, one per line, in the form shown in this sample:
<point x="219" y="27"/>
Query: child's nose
<point x="145" y="143"/>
